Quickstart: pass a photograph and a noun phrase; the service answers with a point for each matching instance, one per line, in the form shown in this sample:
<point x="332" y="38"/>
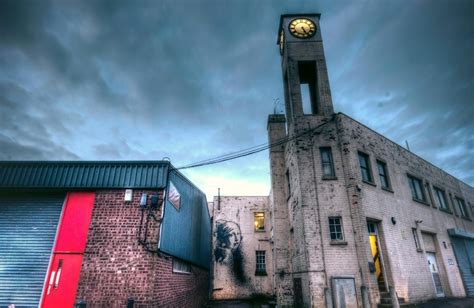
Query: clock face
<point x="302" y="28"/>
<point x="282" y="41"/>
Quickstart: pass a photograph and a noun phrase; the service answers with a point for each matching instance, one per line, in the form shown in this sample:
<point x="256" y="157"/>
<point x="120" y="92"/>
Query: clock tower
<point x="298" y="252"/>
<point x="305" y="77"/>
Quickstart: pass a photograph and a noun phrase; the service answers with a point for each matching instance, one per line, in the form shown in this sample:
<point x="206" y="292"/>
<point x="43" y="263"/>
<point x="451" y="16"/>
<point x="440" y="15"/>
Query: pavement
<point x="435" y="303"/>
<point x="251" y="303"/>
<point x="467" y="302"/>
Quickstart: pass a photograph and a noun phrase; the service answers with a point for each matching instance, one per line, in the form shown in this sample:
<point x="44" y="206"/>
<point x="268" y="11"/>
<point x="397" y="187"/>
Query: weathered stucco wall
<point x="310" y="199"/>
<point x="409" y="270"/>
<point x="235" y="243"/>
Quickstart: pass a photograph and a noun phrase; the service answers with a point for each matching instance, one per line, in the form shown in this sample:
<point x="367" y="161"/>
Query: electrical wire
<point x="248" y="151"/>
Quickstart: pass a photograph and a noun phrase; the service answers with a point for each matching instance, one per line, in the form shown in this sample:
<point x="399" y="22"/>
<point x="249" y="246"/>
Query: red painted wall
<point x="63" y="275"/>
<point x="116" y="267"/>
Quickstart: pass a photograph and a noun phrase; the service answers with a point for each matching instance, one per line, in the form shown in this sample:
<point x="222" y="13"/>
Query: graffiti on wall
<point x="228" y="247"/>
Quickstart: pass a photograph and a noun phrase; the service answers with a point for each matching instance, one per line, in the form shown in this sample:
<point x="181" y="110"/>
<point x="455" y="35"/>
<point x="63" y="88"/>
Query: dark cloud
<point x="424" y="61"/>
<point x="194" y="79"/>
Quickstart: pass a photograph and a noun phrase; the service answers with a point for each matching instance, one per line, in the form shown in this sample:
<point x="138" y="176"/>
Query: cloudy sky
<point x="191" y="80"/>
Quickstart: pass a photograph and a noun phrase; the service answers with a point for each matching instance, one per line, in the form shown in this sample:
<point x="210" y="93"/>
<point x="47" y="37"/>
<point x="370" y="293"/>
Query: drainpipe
<point x="394" y="297"/>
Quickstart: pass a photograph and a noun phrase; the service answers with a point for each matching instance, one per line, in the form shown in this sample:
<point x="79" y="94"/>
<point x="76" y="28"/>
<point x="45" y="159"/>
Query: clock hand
<point x="304" y="30"/>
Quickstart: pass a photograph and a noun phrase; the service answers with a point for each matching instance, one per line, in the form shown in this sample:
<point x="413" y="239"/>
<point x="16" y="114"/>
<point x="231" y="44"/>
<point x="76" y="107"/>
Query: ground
<point x="436" y="303"/>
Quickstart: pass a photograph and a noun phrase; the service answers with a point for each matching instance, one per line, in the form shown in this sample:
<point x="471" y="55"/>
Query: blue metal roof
<point x="83" y="174"/>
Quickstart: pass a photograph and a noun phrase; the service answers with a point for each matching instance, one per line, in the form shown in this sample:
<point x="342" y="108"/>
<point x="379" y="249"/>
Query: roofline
<point x="410" y="152"/>
<point x="85" y="162"/>
<point x="318" y="15"/>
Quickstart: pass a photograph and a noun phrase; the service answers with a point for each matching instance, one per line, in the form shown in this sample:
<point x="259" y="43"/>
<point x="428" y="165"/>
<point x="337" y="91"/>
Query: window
<point x="308" y="87"/>
<point x="383" y="174"/>
<point x="259" y="221"/>
<point x="416" y="187"/>
<point x="260" y="263"/>
<point x="415" y="238"/>
<point x="335" y="229"/>
<point x="441" y="198"/>
<point x="371" y="228"/>
<point x="462" y="208"/>
<point x="181" y="267"/>
<point x="326" y="163"/>
<point x="365" y="167"/>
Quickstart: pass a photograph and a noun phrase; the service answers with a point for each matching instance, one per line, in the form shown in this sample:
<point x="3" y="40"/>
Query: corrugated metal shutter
<point x="27" y="233"/>
<point x="464" y="250"/>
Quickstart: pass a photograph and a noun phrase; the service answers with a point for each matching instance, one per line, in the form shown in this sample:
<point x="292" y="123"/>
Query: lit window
<point x="335" y="229"/>
<point x="383" y="174"/>
<point x="415" y="238"/>
<point x="181" y="267"/>
<point x="259" y="221"/>
<point x="326" y="162"/>
<point x="416" y="187"/>
<point x="260" y="263"/>
<point x="462" y="208"/>
<point x="441" y="198"/>
<point x="365" y="171"/>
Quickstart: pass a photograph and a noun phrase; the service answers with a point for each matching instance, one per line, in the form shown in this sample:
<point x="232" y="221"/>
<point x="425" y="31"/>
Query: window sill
<point x="421" y="201"/>
<point x="181" y="273"/>
<point x="419" y="250"/>
<point x="260" y="231"/>
<point x="447" y="211"/>
<point x="329" y="178"/>
<point x="260" y="273"/>
<point x="370" y="183"/>
<point x="338" y="243"/>
<point x="466" y="218"/>
<point x="387" y="189"/>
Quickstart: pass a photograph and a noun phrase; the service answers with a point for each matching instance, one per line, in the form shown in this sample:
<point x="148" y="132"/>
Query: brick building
<point x="355" y="220"/>
<point x="104" y="234"/>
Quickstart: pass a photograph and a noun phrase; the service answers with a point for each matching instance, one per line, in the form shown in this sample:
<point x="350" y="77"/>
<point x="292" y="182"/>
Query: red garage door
<point x="63" y="277"/>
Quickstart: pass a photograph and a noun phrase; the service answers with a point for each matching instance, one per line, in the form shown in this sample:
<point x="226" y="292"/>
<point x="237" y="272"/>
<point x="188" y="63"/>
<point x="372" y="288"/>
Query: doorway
<point x="377" y="255"/>
<point x="435" y="273"/>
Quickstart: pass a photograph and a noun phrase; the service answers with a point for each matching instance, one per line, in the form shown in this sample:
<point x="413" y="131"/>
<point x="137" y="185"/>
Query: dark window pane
<point x="335" y="229"/>
<point x="441" y="197"/>
<point x="326" y="162"/>
<point x="383" y="174"/>
<point x="260" y="261"/>
<point x="365" y="167"/>
<point x="462" y="207"/>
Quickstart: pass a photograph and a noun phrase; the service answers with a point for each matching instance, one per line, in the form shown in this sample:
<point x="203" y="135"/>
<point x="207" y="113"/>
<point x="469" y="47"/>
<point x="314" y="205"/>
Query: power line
<point x="248" y="151"/>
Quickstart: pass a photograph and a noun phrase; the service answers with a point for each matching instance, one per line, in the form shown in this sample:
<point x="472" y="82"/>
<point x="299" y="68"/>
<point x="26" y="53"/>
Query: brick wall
<point x="116" y="267"/>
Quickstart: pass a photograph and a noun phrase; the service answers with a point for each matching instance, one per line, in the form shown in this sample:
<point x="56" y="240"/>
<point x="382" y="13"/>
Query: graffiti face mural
<point x="228" y="239"/>
<point x="227" y="250"/>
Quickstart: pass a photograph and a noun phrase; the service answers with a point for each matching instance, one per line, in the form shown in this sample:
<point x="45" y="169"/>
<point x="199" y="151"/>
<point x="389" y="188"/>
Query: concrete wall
<point x="116" y="267"/>
<point x="235" y="243"/>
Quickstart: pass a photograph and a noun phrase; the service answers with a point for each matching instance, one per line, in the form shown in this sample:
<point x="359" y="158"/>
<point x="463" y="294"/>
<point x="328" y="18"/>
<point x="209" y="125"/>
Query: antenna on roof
<point x="408" y="146"/>
<point x="276" y="102"/>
